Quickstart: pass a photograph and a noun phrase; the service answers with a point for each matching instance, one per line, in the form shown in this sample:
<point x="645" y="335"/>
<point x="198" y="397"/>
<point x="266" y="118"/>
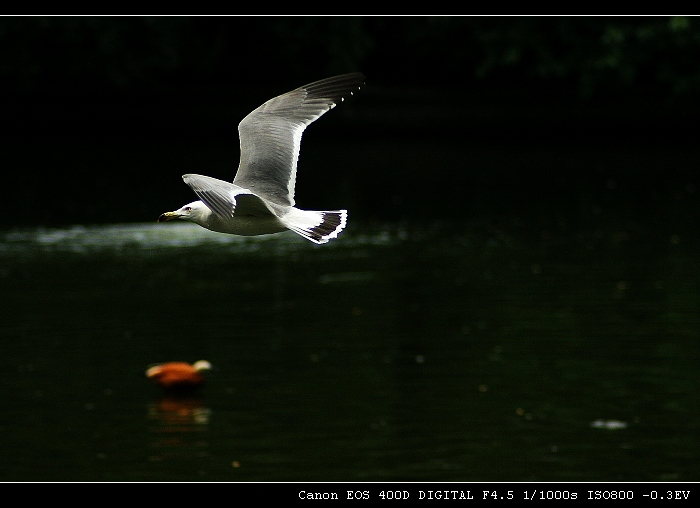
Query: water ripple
<point x="146" y="236"/>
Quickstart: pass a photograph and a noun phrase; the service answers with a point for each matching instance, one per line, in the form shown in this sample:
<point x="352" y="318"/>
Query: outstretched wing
<point x="223" y="198"/>
<point x="271" y="135"/>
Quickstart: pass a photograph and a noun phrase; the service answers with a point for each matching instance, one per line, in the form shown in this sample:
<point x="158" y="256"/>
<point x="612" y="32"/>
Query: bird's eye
<point x="188" y="208"/>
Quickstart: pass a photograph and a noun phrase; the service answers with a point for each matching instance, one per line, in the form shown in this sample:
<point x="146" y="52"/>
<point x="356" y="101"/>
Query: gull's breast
<point x="246" y="225"/>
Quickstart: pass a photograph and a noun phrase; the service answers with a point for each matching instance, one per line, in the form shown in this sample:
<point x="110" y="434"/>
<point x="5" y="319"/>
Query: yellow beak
<point x="168" y="216"/>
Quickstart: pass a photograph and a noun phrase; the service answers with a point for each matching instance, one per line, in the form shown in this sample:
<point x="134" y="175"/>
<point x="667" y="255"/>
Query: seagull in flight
<point x="260" y="200"/>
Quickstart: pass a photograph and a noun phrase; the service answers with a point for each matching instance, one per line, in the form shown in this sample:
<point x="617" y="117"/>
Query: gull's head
<point x="194" y="212"/>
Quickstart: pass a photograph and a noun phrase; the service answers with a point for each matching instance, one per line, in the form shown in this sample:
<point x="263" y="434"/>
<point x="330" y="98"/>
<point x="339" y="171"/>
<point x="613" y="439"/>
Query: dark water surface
<point x="389" y="354"/>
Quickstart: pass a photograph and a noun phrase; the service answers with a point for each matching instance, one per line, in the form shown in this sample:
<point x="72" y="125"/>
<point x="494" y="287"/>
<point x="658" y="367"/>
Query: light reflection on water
<point x="390" y="355"/>
<point x="149" y="236"/>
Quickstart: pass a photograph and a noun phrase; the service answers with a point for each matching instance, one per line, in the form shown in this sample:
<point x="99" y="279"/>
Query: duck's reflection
<point x="178" y="414"/>
<point x="178" y="425"/>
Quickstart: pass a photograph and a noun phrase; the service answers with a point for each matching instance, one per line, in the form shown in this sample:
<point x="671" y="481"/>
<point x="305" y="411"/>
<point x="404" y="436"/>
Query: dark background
<point x="103" y="114"/>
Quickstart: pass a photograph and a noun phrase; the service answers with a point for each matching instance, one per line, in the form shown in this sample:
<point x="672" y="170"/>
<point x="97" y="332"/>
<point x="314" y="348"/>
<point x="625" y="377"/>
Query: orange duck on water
<point x="178" y="375"/>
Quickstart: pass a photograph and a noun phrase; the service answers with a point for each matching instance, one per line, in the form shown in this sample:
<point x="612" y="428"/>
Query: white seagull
<point x="260" y="200"/>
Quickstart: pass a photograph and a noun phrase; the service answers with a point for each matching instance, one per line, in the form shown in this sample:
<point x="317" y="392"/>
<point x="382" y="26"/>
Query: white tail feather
<point x="318" y="227"/>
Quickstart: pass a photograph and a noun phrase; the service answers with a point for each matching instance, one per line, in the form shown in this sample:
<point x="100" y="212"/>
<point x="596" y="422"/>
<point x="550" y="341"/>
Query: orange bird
<point x="178" y="375"/>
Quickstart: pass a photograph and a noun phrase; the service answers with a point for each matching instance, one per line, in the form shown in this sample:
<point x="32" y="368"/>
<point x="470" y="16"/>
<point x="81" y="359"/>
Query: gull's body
<point x="261" y="198"/>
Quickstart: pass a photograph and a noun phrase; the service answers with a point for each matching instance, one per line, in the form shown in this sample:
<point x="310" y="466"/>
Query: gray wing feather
<point x="223" y="198"/>
<point x="218" y="195"/>
<point x="271" y="135"/>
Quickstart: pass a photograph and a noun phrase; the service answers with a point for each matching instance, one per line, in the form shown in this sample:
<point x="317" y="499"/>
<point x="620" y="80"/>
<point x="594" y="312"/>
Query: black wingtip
<point x="336" y="87"/>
